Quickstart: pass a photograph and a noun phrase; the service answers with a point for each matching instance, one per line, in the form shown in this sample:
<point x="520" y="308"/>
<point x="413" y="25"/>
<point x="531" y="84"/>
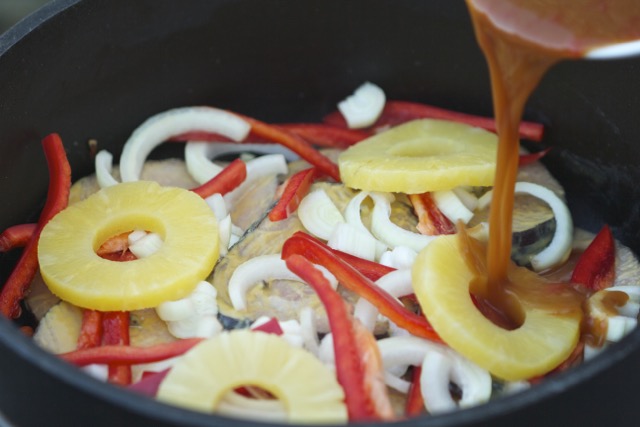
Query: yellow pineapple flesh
<point x="74" y="272"/>
<point x="546" y="337"/>
<point x="308" y="390"/>
<point x="421" y="156"/>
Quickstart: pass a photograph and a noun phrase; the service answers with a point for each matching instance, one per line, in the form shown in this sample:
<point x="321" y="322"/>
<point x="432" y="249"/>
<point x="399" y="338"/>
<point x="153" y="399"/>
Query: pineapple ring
<point x="308" y="389"/>
<point x="74" y="272"/>
<point x="441" y="281"/>
<point x="420" y="156"/>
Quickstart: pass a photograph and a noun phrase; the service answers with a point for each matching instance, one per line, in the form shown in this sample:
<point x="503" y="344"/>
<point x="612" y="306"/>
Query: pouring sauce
<point x="521" y="40"/>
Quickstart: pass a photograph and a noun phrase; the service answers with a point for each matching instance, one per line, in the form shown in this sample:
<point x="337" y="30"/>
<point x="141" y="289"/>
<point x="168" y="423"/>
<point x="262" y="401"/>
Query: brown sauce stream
<point x="521" y="40"/>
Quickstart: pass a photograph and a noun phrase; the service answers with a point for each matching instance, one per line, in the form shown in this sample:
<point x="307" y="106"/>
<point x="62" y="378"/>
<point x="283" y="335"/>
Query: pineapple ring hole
<point x="253" y="391"/>
<point x="510" y="316"/>
<point x="126" y="224"/>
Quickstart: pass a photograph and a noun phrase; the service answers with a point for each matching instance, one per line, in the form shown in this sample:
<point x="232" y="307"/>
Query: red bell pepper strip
<point x="228" y="179"/>
<point x="264" y="132"/>
<point x="527" y="159"/>
<point x="57" y="199"/>
<point x="397" y="112"/>
<point x="325" y="135"/>
<point x="150" y="383"/>
<point x="320" y="134"/>
<point x="296" y="187"/>
<point x="272" y="326"/>
<point x="127" y="355"/>
<point x="356" y="282"/>
<point x="296" y="144"/>
<point x="415" y="403"/>
<point x="200" y="136"/>
<point x="91" y="329"/>
<point x="431" y="220"/>
<point x="116" y="332"/>
<point x="369" y="269"/>
<point x="350" y="368"/>
<point x="596" y="266"/>
<point x="16" y="236"/>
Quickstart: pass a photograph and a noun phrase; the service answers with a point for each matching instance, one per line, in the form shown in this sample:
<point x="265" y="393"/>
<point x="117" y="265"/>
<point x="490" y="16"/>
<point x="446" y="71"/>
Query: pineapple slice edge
<point x="307" y="388"/>
<point x="74" y="272"/>
<point x="441" y="283"/>
<point x="419" y="156"/>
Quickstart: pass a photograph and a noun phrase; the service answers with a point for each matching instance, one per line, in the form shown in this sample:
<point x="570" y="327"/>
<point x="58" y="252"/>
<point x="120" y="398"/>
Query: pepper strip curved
<point x="57" y="199"/>
<point x="355" y="281"/>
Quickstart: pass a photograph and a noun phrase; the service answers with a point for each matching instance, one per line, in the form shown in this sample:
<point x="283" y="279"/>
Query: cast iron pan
<point x="97" y="69"/>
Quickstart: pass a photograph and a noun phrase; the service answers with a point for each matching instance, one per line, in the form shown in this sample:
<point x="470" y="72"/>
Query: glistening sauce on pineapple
<point x="521" y="40"/>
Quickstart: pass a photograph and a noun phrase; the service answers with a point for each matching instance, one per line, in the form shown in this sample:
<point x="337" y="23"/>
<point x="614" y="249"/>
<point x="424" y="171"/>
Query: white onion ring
<point x="163" y="126"/>
<point x="559" y="248"/>
<point x="197" y="156"/>
<point x="103" y="164"/>
<point x="258" y="168"/>
<point x="388" y="232"/>
<point x="396" y="283"/>
<point x="364" y="107"/>
<point x="474" y="381"/>
<point x="319" y="214"/>
<point x="353" y="217"/>
<point x="261" y="268"/>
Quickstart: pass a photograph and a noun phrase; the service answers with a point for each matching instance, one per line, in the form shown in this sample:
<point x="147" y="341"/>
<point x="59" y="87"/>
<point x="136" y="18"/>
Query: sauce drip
<point x="521" y="40"/>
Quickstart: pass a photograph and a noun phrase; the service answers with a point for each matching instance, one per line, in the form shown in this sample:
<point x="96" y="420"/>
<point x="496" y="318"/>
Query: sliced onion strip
<point x="353" y="217"/>
<point x="364" y="107"/>
<point x="258" y="168"/>
<point x="397" y="284"/>
<point x="163" y="126"/>
<point x="559" y="248"/>
<point x="104" y="164"/>
<point x="259" y="269"/>
<point x="349" y="239"/>
<point x="309" y="331"/>
<point x="198" y="156"/>
<point x="388" y="232"/>
<point x="451" y="206"/>
<point x="440" y="365"/>
<point x="319" y="214"/>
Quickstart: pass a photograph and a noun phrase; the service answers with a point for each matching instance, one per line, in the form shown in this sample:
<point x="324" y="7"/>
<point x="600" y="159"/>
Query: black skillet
<point x="98" y="68"/>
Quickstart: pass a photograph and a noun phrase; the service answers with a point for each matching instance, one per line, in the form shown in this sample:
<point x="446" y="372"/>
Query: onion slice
<point x="364" y="107"/>
<point x="258" y="168"/>
<point x="349" y="239"/>
<point x="319" y="214"/>
<point x="388" y="232"/>
<point x="194" y="315"/>
<point x="440" y="365"/>
<point x="199" y="155"/>
<point x="309" y="331"/>
<point x="559" y="248"/>
<point x="259" y="269"/>
<point x="163" y="126"/>
<point x="353" y="217"/>
<point x="103" y="165"/>
<point x="452" y="206"/>
<point x="397" y="284"/>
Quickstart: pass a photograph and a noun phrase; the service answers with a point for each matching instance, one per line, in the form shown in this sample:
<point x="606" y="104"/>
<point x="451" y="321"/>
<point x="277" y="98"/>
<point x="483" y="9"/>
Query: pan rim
<point x="13" y="339"/>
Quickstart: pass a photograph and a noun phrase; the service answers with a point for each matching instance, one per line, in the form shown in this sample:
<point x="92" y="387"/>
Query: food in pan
<point x="315" y="279"/>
